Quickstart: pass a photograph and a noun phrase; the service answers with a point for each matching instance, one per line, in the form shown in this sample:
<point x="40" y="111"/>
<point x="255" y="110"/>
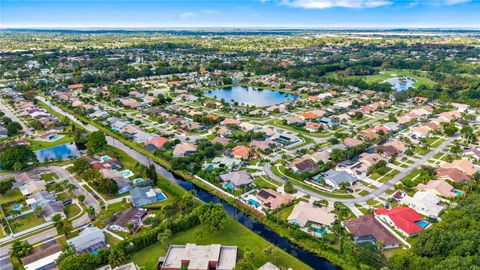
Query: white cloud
<point x="323" y="4"/>
<point x="187" y="15"/>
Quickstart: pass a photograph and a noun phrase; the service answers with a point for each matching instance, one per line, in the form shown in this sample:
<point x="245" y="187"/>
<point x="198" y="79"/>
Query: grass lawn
<point x="232" y="234"/>
<point x="62" y="196"/>
<point x="260" y="183"/>
<point x="419" y="76"/>
<point x="26" y="222"/>
<point x="10" y="196"/>
<point x="47" y="177"/>
<point x="372" y="202"/>
<point x="284" y="213"/>
<point x="110" y="239"/>
<point x="72" y="210"/>
<point x="36" y="145"/>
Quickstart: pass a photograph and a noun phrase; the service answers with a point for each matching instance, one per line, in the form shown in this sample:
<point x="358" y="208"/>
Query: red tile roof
<point x="403" y="217"/>
<point x="158" y="142"/>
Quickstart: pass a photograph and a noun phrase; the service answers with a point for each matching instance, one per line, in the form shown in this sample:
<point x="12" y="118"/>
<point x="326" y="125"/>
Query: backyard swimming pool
<point x="127" y="173"/>
<point x="228" y="186"/>
<point x="105" y="158"/>
<point x="17" y="207"/>
<point x="253" y="202"/>
<point x="458" y="192"/>
<point x="422" y="223"/>
<point x="161" y="197"/>
<point x="138" y="181"/>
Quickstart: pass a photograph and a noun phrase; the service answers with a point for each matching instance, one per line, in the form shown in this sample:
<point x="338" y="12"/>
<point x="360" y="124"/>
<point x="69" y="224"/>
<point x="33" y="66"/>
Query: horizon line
<point x="152" y="28"/>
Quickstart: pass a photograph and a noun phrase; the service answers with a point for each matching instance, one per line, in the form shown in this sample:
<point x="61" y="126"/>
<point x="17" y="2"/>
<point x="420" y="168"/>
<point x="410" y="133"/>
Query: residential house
<point x="404" y="219"/>
<point x="129" y="102"/>
<point x="368" y="229"/>
<point x="42" y="257"/>
<point x="246" y="126"/>
<point x="323" y="156"/>
<point x="452" y="174"/>
<point x="199" y="257"/>
<point x="271" y="199"/>
<point x="51" y="209"/>
<point x="132" y="216"/>
<point x="240" y="152"/>
<point x="230" y="121"/>
<point x="438" y="187"/>
<point x="224" y="162"/>
<point x="301" y="165"/>
<point x="263" y="146"/>
<point x="90" y="240"/>
<point x="33" y="187"/>
<point x="425" y="203"/>
<point x="140" y="196"/>
<point x="40" y="199"/>
<point x="26" y="177"/>
<point x="156" y="143"/>
<point x="314" y="126"/>
<point x="307" y="215"/>
<point x="464" y="165"/>
<point x="268" y="266"/>
<point x="237" y="179"/>
<point x="123" y="185"/>
<point x="184" y="149"/>
<point x="336" y="179"/>
<point x="352" y="142"/>
<point x="221" y="140"/>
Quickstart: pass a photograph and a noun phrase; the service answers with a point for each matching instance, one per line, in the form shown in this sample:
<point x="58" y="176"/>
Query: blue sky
<point x="239" y="13"/>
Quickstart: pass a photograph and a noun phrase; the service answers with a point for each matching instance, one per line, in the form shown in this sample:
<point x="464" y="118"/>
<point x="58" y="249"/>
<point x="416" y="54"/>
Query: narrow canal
<point x="308" y="258"/>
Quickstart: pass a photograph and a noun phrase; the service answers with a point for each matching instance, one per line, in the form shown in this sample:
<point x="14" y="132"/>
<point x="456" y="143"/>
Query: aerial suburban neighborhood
<point x="199" y="150"/>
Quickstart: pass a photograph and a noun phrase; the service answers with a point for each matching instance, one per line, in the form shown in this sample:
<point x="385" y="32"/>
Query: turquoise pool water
<point x="161" y="196"/>
<point x="127" y="173"/>
<point x="422" y="223"/>
<point x="17" y="207"/>
<point x="458" y="192"/>
<point x="105" y="158"/>
<point x="253" y="202"/>
<point x="138" y="181"/>
<point x="229" y="186"/>
<point x="59" y="152"/>
<point x="319" y="231"/>
<point x="250" y="96"/>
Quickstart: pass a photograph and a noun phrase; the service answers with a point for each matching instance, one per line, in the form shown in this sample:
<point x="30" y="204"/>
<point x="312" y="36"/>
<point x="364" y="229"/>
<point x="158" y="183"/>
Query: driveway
<point x="377" y="192"/>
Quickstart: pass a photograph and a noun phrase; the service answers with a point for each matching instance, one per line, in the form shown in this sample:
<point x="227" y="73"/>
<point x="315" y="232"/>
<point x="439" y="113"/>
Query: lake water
<point x="59" y="152"/>
<point x="250" y="96"/>
<point x="401" y="83"/>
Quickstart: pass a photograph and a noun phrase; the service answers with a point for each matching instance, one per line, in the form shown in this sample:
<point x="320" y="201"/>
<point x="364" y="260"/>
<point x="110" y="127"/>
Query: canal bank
<point x="255" y="224"/>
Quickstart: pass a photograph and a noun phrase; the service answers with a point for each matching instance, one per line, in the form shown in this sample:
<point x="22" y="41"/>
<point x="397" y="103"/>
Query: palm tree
<point x="91" y="212"/>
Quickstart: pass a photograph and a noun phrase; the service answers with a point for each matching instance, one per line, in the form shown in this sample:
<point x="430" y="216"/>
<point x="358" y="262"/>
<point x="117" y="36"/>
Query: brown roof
<point x="304" y="164"/>
<point x="453" y="174"/>
<point x="366" y="226"/>
<point x="42" y="251"/>
<point x="127" y="216"/>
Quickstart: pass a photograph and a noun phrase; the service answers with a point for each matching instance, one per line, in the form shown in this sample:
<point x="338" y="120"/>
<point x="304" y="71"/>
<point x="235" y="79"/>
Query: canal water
<point x="308" y="258"/>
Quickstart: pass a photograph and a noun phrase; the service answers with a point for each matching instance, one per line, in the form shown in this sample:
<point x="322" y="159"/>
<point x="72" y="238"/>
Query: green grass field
<point x="419" y="76"/>
<point x="10" y="196"/>
<point x="37" y="145"/>
<point x="26" y="222"/>
<point x="232" y="234"/>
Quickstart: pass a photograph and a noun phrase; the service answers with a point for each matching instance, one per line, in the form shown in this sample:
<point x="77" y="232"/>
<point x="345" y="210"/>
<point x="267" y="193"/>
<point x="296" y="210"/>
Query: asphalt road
<point x="14" y="118"/>
<point x="375" y="193"/>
